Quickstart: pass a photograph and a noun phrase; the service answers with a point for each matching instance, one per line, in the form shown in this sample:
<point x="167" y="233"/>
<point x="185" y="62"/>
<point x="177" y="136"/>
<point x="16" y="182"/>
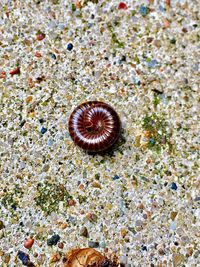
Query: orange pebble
<point x="30" y="82"/>
<point x="3" y="74"/>
<point x="151" y="2"/>
<point x="40" y="36"/>
<point x="78" y="4"/>
<point x="29" y="99"/>
<point x="61" y="245"/>
<point x="81" y="186"/>
<point x="37" y="54"/>
<point x="29" y="243"/>
<point x="167" y="23"/>
<point x="71" y="202"/>
<point x="147" y="134"/>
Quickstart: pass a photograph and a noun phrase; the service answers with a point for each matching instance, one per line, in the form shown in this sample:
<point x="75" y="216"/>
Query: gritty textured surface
<point x="141" y="201"/>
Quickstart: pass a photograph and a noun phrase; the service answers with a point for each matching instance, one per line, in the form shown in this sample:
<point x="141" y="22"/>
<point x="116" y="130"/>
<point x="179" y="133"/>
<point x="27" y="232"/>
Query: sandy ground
<point x="141" y="200"/>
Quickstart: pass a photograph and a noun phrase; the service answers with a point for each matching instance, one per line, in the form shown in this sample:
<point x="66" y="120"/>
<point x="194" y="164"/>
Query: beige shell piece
<point x="83" y="257"/>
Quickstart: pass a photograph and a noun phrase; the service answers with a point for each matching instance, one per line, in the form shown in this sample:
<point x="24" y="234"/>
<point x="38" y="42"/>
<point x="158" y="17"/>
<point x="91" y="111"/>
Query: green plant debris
<point x="156" y="100"/>
<point x="49" y="196"/>
<point x="82" y="199"/>
<point x="114" y="39"/>
<point x="73" y="7"/>
<point x="12" y="197"/>
<point x="97" y="176"/>
<point x="156" y="128"/>
<point x="136" y="59"/>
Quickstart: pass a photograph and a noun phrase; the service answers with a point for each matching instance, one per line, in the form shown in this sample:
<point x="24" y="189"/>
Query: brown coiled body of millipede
<point x="94" y="126"/>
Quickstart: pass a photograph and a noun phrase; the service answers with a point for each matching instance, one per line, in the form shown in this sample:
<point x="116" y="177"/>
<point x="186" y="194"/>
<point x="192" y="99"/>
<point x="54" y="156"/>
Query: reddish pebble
<point x="168" y="2"/>
<point x="40" y="36"/>
<point x="81" y="186"/>
<point x="91" y="217"/>
<point x="122" y="5"/>
<point x="78" y="4"/>
<point x="3" y="74"/>
<point x="15" y="71"/>
<point x="61" y="245"/>
<point x="28" y="243"/>
<point x="184" y="30"/>
<point x="167" y="23"/>
<point x="37" y="54"/>
<point x="71" y="202"/>
<point x="30" y="82"/>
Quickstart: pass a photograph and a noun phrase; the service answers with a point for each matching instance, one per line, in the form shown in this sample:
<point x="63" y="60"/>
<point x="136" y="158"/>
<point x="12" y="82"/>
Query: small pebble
<point x="71" y="202"/>
<point x="24" y="258"/>
<point x="157" y="43"/>
<point x="144" y="248"/>
<point x="6" y="258"/>
<point x="161" y="252"/>
<point x="103" y="244"/>
<point x="168" y="2"/>
<point x="173" y="215"/>
<point x="50" y="142"/>
<point x="40" y="36"/>
<point x="2" y="75"/>
<point x="96" y="185"/>
<point x="153" y="63"/>
<point x="152" y="141"/>
<point x="41" y="120"/>
<point x="61" y="245"/>
<point x="14" y="207"/>
<point x="53" y="56"/>
<point x="116" y="177"/>
<point x="43" y="130"/>
<point x="93" y="244"/>
<point x="29" y="99"/>
<point x="69" y="46"/>
<point x="2" y="225"/>
<point x="178" y="259"/>
<point x="92" y="217"/>
<point x="56" y="257"/>
<point x="173" y="41"/>
<point x="38" y="54"/>
<point x="173" y="225"/>
<point x="63" y="226"/>
<point x="167" y="23"/>
<point x="53" y="240"/>
<point x="123" y="232"/>
<point x="122" y="5"/>
<point x="144" y="10"/>
<point x="84" y="232"/>
<point x="15" y="71"/>
<point x="29" y="243"/>
<point x="174" y="186"/>
<point x="41" y="258"/>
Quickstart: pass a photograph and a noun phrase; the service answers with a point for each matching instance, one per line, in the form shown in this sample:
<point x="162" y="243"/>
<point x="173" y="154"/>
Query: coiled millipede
<point x="94" y="126"/>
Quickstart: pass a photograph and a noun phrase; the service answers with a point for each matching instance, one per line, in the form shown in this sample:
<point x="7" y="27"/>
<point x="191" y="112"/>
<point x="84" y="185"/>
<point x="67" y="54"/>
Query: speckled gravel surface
<point x="140" y="201"/>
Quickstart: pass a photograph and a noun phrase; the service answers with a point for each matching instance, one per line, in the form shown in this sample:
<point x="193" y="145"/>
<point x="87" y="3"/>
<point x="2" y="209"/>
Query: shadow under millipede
<point x="116" y="147"/>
